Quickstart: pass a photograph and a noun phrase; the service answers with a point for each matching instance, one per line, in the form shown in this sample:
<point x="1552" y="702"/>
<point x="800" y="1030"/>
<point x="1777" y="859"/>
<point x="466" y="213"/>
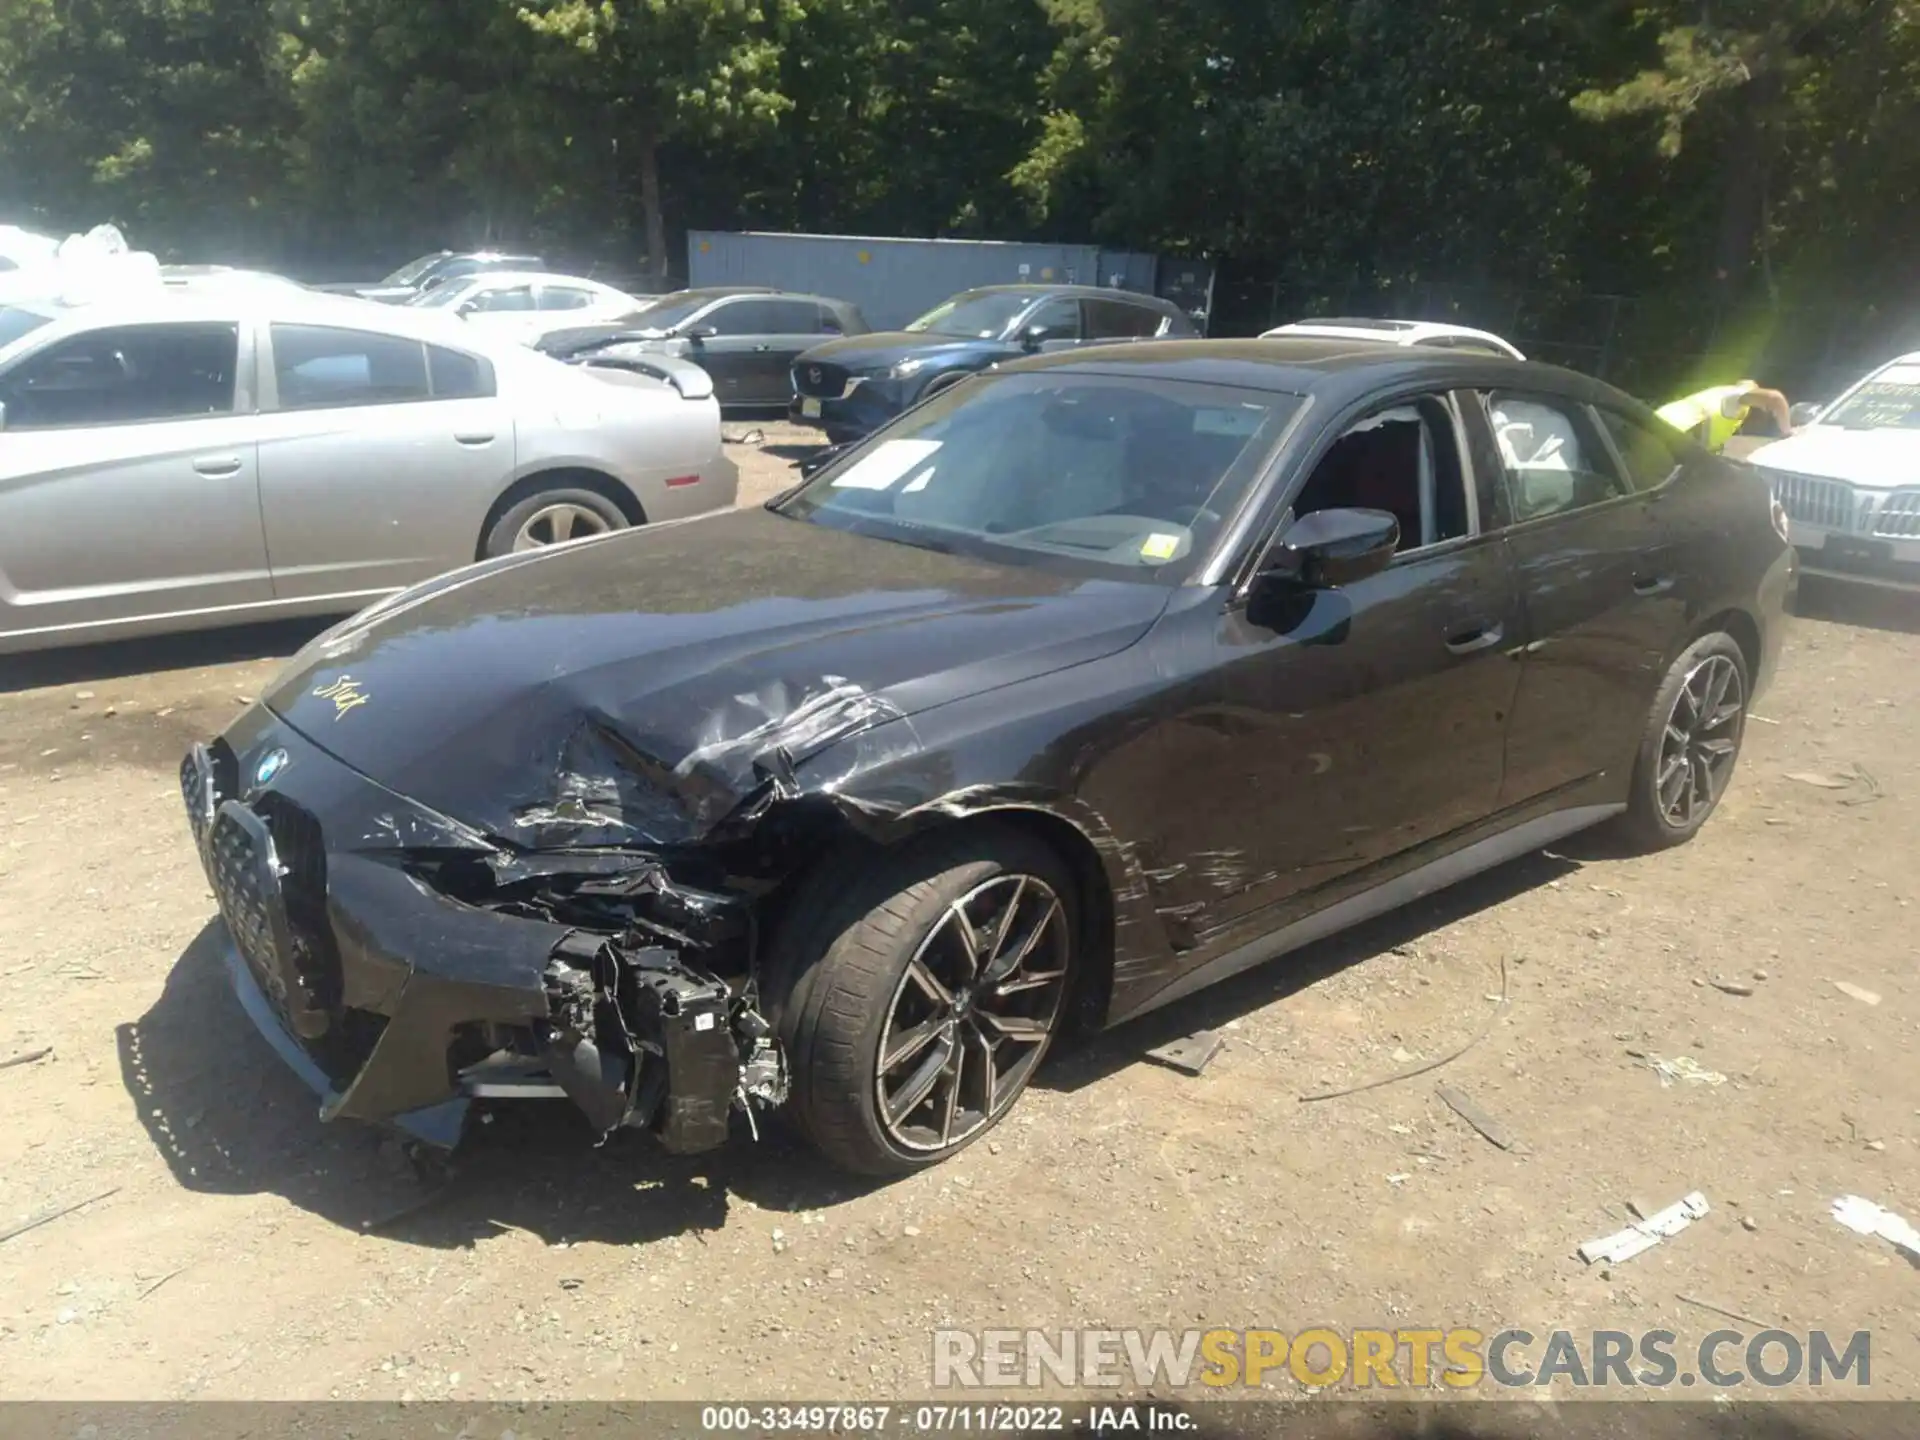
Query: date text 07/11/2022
<point x="932" y="1419"/>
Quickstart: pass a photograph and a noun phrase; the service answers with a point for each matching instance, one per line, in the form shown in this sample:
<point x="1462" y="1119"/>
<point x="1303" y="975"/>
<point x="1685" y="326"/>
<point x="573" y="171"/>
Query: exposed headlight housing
<point x="902" y="369"/>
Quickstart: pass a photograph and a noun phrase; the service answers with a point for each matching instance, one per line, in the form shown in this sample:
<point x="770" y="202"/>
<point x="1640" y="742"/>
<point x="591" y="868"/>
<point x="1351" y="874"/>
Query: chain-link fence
<point x="1655" y="347"/>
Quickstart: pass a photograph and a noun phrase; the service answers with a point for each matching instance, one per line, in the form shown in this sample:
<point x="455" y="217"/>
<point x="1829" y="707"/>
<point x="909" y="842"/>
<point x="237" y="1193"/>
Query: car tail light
<point x="1779" y="517"/>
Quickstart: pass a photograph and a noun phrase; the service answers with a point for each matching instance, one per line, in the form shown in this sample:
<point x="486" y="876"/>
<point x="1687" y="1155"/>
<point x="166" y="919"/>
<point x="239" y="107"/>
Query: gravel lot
<point x="248" y="1252"/>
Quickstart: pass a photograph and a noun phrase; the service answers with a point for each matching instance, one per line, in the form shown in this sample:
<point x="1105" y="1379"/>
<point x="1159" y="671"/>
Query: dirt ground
<point x="245" y="1251"/>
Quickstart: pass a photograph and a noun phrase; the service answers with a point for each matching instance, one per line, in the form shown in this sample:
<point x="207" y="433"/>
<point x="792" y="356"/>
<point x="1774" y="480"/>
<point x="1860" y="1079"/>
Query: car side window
<point x="1059" y="318"/>
<point x="564" y="297"/>
<point x="827" y="322"/>
<point x="458" y="376"/>
<point x="320" y="367"/>
<point x="1404" y="459"/>
<point x="1552" y="460"/>
<point x="1119" y="320"/>
<point x="489" y="302"/>
<point x="123" y="375"/>
<point x="1649" y="460"/>
<point x="743" y="317"/>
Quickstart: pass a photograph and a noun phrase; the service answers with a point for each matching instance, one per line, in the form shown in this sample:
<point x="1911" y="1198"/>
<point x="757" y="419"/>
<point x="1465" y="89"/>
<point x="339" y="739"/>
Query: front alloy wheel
<point x="972" y="1014"/>
<point x="916" y="991"/>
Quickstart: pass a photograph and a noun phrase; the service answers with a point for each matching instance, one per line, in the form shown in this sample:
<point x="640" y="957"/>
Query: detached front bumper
<point x="400" y="1005"/>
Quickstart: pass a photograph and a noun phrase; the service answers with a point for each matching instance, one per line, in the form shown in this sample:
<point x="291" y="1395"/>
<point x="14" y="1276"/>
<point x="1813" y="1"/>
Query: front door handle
<point x="1652" y="584"/>
<point x="217" y="466"/>
<point x="475" y="437"/>
<point x="761" y="349"/>
<point x="1481" y="637"/>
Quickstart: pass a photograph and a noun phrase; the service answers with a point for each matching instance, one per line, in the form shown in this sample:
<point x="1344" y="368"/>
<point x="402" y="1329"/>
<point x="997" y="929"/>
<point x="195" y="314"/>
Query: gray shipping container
<point x="894" y="280"/>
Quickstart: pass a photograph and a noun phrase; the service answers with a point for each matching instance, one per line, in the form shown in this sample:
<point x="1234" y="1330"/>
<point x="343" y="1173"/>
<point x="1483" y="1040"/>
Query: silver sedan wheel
<point x="562" y="520"/>
<point x="973" y="1013"/>
<point x="1701" y="741"/>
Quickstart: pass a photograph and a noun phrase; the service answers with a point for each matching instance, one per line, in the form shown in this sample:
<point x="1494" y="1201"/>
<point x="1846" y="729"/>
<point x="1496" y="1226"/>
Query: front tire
<point x="1691" y="744"/>
<point x="923" y="996"/>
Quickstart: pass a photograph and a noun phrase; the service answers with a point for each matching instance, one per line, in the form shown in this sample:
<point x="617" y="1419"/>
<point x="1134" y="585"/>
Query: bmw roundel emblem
<point x="271" y="764"/>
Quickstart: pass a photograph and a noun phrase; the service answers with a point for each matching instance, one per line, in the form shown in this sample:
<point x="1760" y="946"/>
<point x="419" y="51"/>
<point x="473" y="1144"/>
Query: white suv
<point x="1849" y="481"/>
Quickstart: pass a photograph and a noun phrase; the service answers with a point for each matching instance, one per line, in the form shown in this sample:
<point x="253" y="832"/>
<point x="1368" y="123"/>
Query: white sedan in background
<point x="174" y="458"/>
<point x="1849" y="480"/>
<point x="1426" y="334"/>
<point x="523" y="306"/>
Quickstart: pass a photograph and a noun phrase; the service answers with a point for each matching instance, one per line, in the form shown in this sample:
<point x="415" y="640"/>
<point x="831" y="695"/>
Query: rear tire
<point x="547" y="517"/>
<point x="907" y="1045"/>
<point x="1691" y="745"/>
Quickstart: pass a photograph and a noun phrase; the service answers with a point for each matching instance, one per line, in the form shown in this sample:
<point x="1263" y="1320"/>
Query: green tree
<point x="647" y="72"/>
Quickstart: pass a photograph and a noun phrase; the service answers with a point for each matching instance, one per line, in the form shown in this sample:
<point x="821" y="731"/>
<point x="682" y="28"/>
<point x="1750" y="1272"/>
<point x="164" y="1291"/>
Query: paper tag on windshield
<point x="1160" y="547"/>
<point x="883" y="467"/>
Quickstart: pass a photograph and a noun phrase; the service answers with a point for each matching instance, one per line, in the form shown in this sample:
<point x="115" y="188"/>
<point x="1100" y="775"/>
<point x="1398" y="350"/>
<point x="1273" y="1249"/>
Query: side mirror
<point x="1330" y="548"/>
<point x="1033" y="337"/>
<point x="697" y="333"/>
<point x="1805" y="413"/>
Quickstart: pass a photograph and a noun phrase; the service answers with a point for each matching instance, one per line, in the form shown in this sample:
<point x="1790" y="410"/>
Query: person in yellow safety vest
<point x="1714" y="416"/>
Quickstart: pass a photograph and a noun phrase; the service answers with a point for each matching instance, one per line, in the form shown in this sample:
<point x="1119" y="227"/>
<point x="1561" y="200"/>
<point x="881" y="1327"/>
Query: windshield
<point x="1120" y="474"/>
<point x="975" y="314"/>
<point x="1889" y="401"/>
<point x="15" y="322"/>
<point x="410" y="273"/>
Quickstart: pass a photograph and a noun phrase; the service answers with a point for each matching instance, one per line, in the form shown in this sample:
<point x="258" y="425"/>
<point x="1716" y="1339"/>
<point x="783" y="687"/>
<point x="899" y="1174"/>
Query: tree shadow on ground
<point x="152" y="654"/>
<point x="229" y="1119"/>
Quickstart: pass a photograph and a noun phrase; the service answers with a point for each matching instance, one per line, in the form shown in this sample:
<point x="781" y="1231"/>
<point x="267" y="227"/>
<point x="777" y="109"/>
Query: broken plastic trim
<point x="640" y="1039"/>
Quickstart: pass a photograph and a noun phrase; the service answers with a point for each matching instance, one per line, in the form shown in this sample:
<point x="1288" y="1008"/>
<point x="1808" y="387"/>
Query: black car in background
<point x="1089" y="683"/>
<point x="424" y="272"/>
<point x="853" y="386"/>
<point x="746" y="338"/>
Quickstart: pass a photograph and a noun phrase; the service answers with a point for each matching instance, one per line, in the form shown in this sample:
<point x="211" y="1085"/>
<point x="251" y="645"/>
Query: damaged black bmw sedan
<point x="1082" y="685"/>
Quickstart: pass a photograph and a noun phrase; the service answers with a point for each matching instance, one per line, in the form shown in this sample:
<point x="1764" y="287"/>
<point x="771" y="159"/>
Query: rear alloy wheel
<point x="1691" y="745"/>
<point x="921" y="993"/>
<point x="552" y="517"/>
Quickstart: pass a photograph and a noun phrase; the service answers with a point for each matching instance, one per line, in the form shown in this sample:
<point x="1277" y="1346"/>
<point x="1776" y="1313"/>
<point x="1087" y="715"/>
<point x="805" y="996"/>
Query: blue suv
<point x="853" y="386"/>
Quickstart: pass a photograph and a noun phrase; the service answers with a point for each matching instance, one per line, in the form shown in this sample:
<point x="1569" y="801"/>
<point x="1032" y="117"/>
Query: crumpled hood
<point x="863" y="354"/>
<point x="643" y="687"/>
<point x="1884" y="458"/>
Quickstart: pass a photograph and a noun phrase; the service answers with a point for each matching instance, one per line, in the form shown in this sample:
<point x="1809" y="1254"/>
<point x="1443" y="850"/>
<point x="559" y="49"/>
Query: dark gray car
<point x="745" y="338"/>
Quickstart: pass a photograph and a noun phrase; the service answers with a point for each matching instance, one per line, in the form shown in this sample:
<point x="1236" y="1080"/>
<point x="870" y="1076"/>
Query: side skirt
<point x="1402" y="889"/>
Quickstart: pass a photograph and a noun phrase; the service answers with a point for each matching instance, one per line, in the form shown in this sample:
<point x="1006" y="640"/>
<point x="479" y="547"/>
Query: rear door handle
<point x="1652" y="584"/>
<point x="216" y="466"/>
<point x="762" y="349"/>
<point x="475" y="437"/>
<point x="1481" y="637"/>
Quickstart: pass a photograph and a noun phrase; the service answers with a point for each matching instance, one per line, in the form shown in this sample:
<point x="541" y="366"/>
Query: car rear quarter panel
<point x="1736" y="570"/>
<point x="642" y="434"/>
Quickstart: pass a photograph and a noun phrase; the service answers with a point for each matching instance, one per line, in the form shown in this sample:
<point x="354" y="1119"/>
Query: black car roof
<point x="1309" y="366"/>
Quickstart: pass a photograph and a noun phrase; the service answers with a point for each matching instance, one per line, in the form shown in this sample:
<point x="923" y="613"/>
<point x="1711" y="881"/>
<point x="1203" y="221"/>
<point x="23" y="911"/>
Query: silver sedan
<point x="186" y="457"/>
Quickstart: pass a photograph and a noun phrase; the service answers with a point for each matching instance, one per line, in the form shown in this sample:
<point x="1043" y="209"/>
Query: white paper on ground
<point x="1864" y="1217"/>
